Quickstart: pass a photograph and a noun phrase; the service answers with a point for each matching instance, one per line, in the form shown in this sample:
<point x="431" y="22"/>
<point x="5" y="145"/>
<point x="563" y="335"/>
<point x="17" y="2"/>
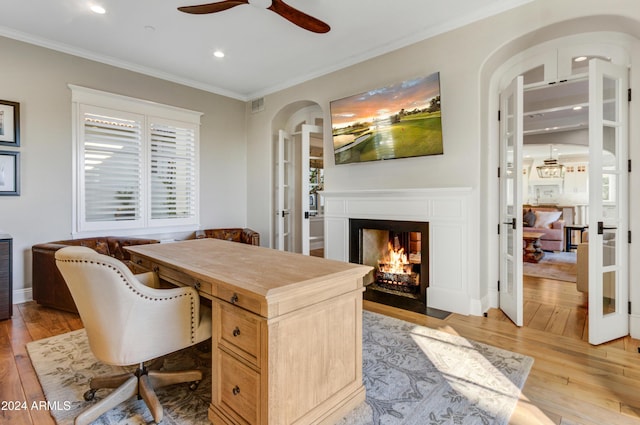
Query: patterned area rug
<point x="413" y="376"/>
<point x="554" y="265"/>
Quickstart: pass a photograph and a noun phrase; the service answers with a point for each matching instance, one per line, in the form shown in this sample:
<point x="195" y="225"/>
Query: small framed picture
<point x="9" y="123"/>
<point x="9" y="173"/>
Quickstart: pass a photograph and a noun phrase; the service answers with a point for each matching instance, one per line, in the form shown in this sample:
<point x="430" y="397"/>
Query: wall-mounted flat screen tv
<point x="398" y="121"/>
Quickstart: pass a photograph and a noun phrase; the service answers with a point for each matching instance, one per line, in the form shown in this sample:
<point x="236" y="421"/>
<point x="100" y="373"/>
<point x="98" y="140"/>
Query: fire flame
<point x="395" y="261"/>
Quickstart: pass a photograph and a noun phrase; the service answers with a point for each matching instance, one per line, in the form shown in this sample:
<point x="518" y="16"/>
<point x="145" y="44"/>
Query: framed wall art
<point x="402" y="120"/>
<point x="9" y="123"/>
<point x="9" y="173"/>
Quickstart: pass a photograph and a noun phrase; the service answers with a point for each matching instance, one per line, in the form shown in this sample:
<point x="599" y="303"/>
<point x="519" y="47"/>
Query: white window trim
<point x="97" y="98"/>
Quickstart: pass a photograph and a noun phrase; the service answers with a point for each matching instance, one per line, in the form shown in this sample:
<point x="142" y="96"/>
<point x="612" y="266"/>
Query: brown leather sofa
<point x="49" y="287"/>
<point x="245" y="235"/>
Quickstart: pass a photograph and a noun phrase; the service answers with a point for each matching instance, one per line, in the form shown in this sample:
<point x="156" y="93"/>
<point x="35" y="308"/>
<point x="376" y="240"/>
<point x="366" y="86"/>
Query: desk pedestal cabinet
<point x="6" y="277"/>
<point x="287" y="329"/>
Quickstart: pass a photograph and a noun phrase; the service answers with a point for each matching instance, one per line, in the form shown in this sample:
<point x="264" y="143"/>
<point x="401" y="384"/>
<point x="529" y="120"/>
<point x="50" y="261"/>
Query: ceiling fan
<point x="278" y="6"/>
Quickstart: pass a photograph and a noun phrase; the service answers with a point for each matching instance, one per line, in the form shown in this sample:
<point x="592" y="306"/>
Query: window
<point x="136" y="163"/>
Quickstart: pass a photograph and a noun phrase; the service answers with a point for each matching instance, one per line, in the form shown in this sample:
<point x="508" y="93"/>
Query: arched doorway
<point x="298" y="223"/>
<point x="547" y="69"/>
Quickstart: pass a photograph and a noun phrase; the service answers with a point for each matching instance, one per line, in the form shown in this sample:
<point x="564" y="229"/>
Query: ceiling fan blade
<point x="299" y="18"/>
<point x="212" y="7"/>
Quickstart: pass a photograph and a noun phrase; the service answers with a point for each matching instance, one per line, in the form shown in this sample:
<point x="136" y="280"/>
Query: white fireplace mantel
<point x="452" y="236"/>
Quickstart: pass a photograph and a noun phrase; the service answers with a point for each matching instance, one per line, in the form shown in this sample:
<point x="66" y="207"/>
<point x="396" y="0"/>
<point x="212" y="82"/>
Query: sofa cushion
<point x="553" y="234"/>
<point x="117" y="245"/>
<point x="101" y="247"/>
<point x="529" y="219"/>
<point x="546" y="218"/>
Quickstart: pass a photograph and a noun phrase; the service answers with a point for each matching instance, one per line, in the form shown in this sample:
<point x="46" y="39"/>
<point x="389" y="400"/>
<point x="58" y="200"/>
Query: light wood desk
<point x="287" y="329"/>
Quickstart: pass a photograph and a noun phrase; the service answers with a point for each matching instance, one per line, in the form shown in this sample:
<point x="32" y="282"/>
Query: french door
<point x="305" y="146"/>
<point x="283" y="177"/>
<point x="511" y="136"/>
<point x="608" y="202"/>
<point x="293" y="212"/>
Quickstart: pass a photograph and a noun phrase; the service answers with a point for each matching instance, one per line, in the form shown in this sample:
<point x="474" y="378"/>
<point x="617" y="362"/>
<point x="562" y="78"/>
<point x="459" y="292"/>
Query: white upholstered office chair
<point x="129" y="320"/>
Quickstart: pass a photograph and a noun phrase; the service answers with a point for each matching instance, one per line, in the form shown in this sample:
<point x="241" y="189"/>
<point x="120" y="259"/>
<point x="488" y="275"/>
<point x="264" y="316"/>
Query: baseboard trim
<point x="22" y="295"/>
<point x="634" y="326"/>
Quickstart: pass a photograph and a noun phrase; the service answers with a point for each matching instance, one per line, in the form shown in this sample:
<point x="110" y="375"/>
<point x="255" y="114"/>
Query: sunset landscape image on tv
<point x="398" y="121"/>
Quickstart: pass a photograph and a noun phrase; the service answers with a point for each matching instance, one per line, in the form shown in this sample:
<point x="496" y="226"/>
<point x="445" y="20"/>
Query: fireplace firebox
<point x="399" y="253"/>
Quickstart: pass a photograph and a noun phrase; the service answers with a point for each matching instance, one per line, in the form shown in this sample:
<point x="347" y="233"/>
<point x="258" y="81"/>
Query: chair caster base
<point x="89" y="395"/>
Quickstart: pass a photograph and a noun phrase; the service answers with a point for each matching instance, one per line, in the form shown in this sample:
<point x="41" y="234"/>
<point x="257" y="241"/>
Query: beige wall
<point x="466" y="58"/>
<point x="37" y="78"/>
<point x="236" y="160"/>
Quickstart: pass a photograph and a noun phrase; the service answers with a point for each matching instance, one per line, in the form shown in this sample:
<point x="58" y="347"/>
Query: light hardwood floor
<point x="571" y="382"/>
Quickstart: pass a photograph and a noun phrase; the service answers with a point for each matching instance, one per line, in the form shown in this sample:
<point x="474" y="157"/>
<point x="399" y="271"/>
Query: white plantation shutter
<point x="136" y="164"/>
<point x="112" y="161"/>
<point x="173" y="173"/>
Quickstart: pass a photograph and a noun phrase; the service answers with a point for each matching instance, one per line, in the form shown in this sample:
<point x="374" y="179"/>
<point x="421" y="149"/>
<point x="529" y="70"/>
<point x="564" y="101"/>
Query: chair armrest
<point x="558" y="224"/>
<point x="250" y="236"/>
<point x="44" y="247"/>
<point x="582" y="267"/>
<point x="48" y="285"/>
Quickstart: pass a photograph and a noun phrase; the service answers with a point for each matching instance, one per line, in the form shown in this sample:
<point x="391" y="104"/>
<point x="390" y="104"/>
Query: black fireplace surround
<point x="414" y="299"/>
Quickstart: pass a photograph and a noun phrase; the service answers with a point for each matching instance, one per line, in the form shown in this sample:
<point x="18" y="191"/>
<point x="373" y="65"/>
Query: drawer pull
<point x="156" y="269"/>
<point x="236" y="390"/>
<point x="236" y="331"/>
<point x="139" y="261"/>
<point x="234" y="299"/>
<point x="197" y="285"/>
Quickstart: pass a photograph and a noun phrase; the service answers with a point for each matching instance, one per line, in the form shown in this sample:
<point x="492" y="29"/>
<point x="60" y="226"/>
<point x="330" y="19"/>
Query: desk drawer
<point x="239" y="331"/>
<point x="141" y="263"/>
<point x="179" y="278"/>
<point x="249" y="302"/>
<point x="239" y="388"/>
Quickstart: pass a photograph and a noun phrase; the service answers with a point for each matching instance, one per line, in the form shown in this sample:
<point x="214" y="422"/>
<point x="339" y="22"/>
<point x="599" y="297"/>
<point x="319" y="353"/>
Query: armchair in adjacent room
<point x="129" y="321"/>
<point x="582" y="268"/>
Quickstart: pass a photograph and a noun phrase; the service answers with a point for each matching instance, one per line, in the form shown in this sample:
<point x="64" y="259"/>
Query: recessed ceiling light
<point x="580" y="59"/>
<point x="96" y="8"/>
<point x="218" y="54"/>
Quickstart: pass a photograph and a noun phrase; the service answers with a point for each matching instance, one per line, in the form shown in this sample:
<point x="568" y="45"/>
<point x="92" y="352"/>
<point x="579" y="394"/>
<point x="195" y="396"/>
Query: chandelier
<point x="551" y="168"/>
